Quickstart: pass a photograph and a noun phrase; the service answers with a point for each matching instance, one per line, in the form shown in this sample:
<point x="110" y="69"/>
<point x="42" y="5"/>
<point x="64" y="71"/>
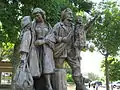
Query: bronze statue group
<point x="44" y="49"/>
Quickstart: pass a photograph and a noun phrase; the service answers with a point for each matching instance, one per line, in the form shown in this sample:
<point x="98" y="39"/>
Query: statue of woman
<point x="40" y="53"/>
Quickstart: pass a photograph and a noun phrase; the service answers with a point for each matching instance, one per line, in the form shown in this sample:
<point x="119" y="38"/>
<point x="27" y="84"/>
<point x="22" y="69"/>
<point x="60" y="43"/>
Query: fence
<point x="5" y="74"/>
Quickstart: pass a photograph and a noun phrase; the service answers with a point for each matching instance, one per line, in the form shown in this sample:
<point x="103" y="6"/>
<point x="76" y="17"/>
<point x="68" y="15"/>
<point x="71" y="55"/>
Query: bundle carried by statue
<point x="23" y="79"/>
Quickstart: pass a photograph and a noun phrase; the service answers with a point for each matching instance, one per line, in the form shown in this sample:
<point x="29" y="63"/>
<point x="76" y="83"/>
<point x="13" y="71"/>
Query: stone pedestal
<point x="39" y="83"/>
<point x="59" y="80"/>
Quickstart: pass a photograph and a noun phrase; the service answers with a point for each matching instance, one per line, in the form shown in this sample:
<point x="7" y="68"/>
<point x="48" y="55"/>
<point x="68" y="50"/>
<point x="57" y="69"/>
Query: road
<point x="101" y="88"/>
<point x="72" y="87"/>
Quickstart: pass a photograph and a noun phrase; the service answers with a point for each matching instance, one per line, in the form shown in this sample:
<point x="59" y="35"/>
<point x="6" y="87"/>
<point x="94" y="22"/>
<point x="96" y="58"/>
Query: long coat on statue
<point x="40" y="60"/>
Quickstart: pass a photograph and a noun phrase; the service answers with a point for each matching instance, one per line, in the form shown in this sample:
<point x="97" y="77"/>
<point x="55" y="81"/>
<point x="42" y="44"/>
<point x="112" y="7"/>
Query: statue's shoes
<point x="49" y="89"/>
<point x="81" y="88"/>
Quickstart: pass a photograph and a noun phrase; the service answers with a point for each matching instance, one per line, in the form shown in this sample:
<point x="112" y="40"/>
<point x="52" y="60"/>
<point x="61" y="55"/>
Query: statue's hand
<point x="22" y="64"/>
<point x="65" y="39"/>
<point x="39" y="42"/>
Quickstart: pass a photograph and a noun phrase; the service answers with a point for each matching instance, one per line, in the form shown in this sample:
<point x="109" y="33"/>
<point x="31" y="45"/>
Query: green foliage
<point x="69" y="78"/>
<point x="105" y="33"/>
<point x="93" y="77"/>
<point x="69" y="72"/>
<point x="114" y="68"/>
<point x="66" y="65"/>
<point x="102" y="79"/>
<point x="6" y="50"/>
<point x="83" y="5"/>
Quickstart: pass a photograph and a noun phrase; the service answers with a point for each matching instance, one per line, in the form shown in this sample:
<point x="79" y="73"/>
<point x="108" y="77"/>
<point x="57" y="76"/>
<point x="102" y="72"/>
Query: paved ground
<point x="72" y="87"/>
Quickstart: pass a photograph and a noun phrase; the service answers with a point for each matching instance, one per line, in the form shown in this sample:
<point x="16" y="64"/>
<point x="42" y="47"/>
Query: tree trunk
<point x="15" y="59"/>
<point x="106" y="72"/>
<point x="0" y="78"/>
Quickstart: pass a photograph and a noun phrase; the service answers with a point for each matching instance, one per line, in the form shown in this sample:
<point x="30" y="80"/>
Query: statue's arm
<point x="50" y="39"/>
<point x="89" y="24"/>
<point x="56" y="30"/>
<point x="25" y="45"/>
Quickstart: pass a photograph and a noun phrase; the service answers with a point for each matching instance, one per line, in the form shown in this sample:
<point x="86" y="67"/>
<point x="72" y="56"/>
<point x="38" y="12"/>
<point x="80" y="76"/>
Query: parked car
<point x="96" y="83"/>
<point x="116" y="84"/>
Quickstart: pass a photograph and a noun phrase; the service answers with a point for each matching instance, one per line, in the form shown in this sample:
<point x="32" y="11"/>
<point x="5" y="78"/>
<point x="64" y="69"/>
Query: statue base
<point x="39" y="83"/>
<point x="59" y="80"/>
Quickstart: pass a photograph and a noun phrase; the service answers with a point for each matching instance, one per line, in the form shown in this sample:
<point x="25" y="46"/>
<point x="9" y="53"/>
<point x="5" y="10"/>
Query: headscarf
<point x="39" y="10"/>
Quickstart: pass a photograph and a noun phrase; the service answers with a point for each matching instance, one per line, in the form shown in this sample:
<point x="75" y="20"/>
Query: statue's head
<point x="25" y="21"/>
<point x="79" y="19"/>
<point x="39" y="14"/>
<point x="67" y="14"/>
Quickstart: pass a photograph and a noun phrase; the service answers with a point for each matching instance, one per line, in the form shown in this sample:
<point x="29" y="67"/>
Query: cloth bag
<point x="23" y="78"/>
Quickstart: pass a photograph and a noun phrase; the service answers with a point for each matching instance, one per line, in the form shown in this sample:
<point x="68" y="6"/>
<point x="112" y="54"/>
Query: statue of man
<point x="39" y="43"/>
<point x="80" y="34"/>
<point x="64" y="47"/>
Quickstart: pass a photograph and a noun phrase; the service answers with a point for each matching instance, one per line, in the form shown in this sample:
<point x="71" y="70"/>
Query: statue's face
<point x="38" y="17"/>
<point x="69" y="15"/>
<point x="79" y="19"/>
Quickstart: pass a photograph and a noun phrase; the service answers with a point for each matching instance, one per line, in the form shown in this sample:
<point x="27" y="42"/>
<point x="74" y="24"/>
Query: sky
<point x="97" y="1"/>
<point x="91" y="62"/>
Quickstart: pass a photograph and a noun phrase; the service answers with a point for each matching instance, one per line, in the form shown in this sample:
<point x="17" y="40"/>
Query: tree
<point x="106" y="32"/>
<point x="6" y="51"/>
<point x="93" y="76"/>
<point x="114" y="69"/>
